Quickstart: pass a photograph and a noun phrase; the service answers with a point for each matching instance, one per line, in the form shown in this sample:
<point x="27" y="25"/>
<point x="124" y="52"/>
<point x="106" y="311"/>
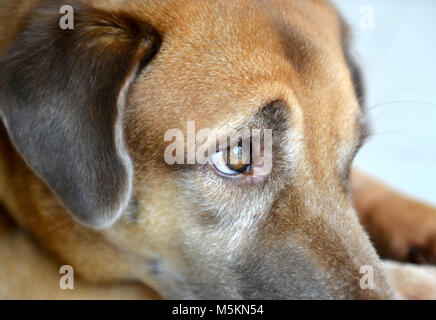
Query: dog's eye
<point x="234" y="161"/>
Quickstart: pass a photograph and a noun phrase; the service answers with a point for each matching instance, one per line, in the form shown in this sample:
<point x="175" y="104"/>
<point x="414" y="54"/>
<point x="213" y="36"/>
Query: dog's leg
<point x="411" y="281"/>
<point x="402" y="228"/>
<point x="28" y="272"/>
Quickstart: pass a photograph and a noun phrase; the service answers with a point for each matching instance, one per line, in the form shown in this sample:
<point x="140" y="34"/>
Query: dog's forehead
<point x="233" y="15"/>
<point x="215" y="53"/>
<point x="239" y="27"/>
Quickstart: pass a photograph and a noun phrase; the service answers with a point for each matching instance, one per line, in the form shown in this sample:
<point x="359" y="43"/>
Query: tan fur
<point x="218" y="74"/>
<point x="27" y="271"/>
<point x="412" y="282"/>
<point x="11" y="13"/>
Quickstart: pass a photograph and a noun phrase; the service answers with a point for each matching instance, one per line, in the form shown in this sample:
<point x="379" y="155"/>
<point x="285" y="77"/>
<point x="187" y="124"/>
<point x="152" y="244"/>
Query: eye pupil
<point x="238" y="160"/>
<point x="235" y="161"/>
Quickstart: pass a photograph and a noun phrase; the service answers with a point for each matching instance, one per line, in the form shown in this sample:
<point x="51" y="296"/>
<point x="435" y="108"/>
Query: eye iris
<point x="237" y="160"/>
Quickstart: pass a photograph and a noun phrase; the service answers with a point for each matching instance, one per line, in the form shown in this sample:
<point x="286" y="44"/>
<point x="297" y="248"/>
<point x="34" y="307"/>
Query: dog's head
<point x="92" y="110"/>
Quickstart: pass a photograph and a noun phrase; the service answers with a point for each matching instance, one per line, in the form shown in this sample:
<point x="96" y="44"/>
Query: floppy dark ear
<point x="62" y="95"/>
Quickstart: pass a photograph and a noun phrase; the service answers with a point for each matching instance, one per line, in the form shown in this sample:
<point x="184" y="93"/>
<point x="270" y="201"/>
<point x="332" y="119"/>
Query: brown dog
<point x="82" y="154"/>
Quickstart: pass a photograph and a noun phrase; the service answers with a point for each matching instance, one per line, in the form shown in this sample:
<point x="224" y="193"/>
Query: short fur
<point x="185" y="231"/>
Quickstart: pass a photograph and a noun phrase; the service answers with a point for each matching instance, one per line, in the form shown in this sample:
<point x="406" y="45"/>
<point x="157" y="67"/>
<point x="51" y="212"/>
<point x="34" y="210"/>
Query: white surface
<point x="399" y="61"/>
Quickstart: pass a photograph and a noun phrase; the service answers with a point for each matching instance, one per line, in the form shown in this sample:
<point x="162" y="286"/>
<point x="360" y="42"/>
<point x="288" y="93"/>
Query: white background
<point x="399" y="61"/>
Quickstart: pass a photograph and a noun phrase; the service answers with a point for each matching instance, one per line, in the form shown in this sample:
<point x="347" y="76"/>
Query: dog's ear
<point x="62" y="95"/>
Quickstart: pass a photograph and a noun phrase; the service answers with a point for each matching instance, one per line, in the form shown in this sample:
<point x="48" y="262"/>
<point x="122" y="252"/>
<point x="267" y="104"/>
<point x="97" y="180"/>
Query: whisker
<point x="394" y="93"/>
<point x="403" y="102"/>
<point x="387" y="133"/>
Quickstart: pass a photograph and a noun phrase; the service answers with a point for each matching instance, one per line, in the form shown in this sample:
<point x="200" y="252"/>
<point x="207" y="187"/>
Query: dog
<point x="83" y="179"/>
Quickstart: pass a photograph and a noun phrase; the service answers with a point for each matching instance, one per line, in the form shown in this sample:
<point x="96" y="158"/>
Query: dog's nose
<point x="350" y="266"/>
<point x="319" y="255"/>
<point x="293" y="274"/>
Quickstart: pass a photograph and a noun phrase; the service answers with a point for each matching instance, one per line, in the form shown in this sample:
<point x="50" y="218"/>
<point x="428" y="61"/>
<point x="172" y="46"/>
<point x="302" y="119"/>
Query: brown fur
<point x="402" y="228"/>
<point x="294" y="235"/>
